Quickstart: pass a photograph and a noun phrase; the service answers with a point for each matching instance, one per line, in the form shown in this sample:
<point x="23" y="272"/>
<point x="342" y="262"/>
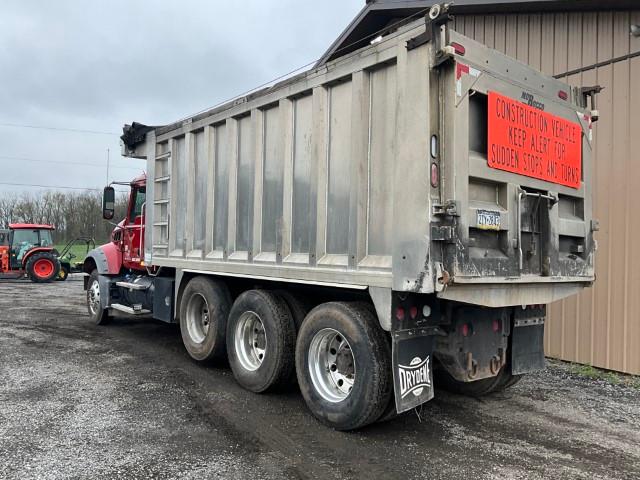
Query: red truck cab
<point x="118" y="278"/>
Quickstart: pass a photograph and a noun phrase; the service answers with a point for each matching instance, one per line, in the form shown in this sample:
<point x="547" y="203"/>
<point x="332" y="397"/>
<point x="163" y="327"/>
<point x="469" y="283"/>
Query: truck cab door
<point x="133" y="232"/>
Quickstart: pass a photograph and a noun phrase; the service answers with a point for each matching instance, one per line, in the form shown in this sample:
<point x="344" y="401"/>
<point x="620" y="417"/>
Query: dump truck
<point x="396" y="216"/>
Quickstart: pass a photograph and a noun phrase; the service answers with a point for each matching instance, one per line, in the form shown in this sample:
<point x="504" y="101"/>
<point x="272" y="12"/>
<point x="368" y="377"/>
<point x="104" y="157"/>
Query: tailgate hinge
<point x="443" y="233"/>
<point x="450" y="208"/>
<point x="436" y="23"/>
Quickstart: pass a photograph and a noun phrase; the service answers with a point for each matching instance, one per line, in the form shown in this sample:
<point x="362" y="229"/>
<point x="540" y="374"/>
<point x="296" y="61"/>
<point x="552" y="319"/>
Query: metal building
<point x="585" y="43"/>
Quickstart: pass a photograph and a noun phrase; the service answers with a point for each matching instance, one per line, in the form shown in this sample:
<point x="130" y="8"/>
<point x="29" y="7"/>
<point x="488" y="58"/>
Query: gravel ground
<point x="126" y="401"/>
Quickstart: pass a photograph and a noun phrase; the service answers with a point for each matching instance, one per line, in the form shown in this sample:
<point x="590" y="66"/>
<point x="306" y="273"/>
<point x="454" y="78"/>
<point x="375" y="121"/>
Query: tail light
<point x="563" y="95"/>
<point x="465" y="330"/>
<point x="435" y="175"/>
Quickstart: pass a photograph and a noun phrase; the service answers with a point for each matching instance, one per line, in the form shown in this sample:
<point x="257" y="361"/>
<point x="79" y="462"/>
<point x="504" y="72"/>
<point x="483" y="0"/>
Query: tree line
<point x="74" y="214"/>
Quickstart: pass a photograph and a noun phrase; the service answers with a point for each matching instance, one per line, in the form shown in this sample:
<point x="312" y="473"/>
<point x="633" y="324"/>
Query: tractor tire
<point x="261" y="341"/>
<point x="43" y="267"/>
<point x="343" y="362"/>
<point x="98" y="315"/>
<point x="204" y="311"/>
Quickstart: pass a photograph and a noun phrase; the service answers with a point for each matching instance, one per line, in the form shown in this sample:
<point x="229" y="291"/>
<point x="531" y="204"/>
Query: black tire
<point x="98" y="315"/>
<point x="63" y="274"/>
<point x="263" y="320"/>
<point x="390" y="413"/>
<point x="372" y="386"/>
<point x="508" y="381"/>
<point x="204" y="311"/>
<point x="479" y="388"/>
<point x="298" y="307"/>
<point x="34" y="269"/>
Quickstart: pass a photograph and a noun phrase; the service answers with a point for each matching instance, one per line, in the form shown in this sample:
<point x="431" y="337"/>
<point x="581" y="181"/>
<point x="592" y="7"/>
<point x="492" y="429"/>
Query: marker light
<point x="496" y="325"/>
<point x="434" y="146"/>
<point x="459" y="49"/>
<point x="435" y="174"/>
<point x="413" y="312"/>
<point x="563" y="95"/>
<point x="400" y="313"/>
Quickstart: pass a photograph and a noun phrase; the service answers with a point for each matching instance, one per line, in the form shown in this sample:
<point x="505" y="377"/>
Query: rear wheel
<point x="98" y="315"/>
<point x="479" y="388"/>
<point x="204" y="310"/>
<point x="261" y="341"/>
<point x="43" y="267"/>
<point x="298" y="307"/>
<point x="343" y="362"/>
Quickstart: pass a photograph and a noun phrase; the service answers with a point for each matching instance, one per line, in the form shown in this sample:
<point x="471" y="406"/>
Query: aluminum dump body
<point x="384" y="169"/>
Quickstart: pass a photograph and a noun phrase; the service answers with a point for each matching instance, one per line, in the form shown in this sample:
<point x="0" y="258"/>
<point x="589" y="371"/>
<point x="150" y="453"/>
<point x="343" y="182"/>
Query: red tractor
<point x="28" y="249"/>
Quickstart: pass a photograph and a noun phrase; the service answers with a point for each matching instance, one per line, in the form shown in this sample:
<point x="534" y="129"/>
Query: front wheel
<point x="98" y="315"/>
<point x="204" y="310"/>
<point x="343" y="362"/>
<point x="63" y="274"/>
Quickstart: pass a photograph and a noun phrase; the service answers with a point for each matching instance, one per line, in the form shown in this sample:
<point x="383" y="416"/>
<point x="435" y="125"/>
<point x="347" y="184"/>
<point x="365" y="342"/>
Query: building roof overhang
<point x="377" y="15"/>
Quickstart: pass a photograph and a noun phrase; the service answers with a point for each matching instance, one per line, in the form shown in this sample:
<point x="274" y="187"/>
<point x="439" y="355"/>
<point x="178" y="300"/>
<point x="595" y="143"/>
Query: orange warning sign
<point x="532" y="142"/>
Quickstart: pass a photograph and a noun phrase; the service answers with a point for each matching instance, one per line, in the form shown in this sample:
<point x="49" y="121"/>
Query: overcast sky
<point x="93" y="65"/>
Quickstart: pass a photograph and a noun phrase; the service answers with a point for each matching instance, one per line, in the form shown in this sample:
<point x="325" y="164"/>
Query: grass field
<point x="80" y="251"/>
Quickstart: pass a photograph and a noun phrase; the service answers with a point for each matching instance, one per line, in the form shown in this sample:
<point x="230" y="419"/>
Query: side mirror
<point x="108" y="203"/>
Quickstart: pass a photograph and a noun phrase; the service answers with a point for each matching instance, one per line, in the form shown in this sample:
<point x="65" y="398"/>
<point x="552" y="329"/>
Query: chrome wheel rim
<point x="331" y="365"/>
<point x="94" y="297"/>
<point x="198" y="319"/>
<point x="250" y="341"/>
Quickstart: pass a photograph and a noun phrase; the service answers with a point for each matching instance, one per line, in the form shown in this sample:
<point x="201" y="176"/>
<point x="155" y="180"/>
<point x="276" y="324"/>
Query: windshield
<point x="138" y="202"/>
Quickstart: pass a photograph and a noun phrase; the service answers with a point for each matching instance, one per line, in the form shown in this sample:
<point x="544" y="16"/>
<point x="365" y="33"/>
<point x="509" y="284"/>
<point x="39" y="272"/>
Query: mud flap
<point x="527" y="341"/>
<point x="105" y="291"/>
<point x="412" y="352"/>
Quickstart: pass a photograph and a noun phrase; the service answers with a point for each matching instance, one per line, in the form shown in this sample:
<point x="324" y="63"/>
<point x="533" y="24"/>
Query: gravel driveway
<point x="126" y="401"/>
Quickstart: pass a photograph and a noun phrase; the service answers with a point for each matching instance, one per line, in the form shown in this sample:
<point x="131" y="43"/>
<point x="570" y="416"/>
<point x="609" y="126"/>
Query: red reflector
<point x="496" y="325"/>
<point x="435" y="175"/>
<point x="400" y="313"/>
<point x="563" y="95"/>
<point x="459" y="49"/>
<point x="413" y="311"/>
<point x="464" y="330"/>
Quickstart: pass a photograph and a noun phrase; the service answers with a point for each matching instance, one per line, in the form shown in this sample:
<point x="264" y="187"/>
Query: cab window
<point x="23" y="241"/>
<point x="45" y="238"/>
<point x="138" y="201"/>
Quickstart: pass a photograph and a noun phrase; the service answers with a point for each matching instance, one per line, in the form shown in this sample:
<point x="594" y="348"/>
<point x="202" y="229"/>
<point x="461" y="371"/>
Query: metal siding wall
<point x="601" y="326"/>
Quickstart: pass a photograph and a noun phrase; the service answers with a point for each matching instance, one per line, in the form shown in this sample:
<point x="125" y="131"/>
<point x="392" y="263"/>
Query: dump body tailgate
<point x="516" y="173"/>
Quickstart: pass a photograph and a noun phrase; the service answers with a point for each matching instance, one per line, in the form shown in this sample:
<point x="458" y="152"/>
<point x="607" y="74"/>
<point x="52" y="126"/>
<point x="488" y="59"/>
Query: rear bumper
<point x="513" y="294"/>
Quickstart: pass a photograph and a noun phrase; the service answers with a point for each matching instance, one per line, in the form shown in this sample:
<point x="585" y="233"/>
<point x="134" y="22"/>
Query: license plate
<point x="488" y="220"/>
